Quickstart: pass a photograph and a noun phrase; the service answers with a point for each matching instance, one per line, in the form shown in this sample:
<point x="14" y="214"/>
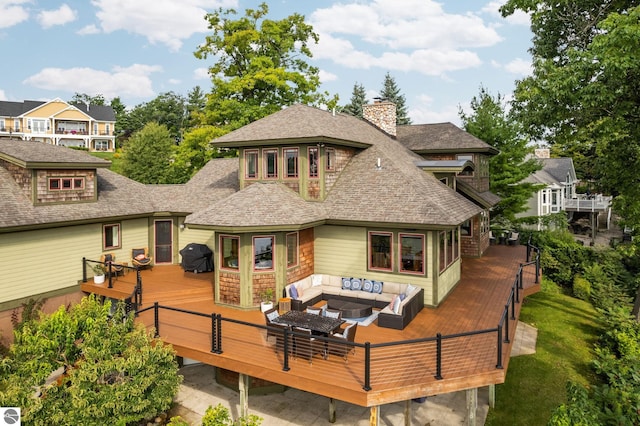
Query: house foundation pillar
<point x="332" y="410"/>
<point x="243" y="390"/>
<point x="472" y="406"/>
<point x="492" y="396"/>
<point x="407" y="412"/>
<point x="374" y="415"/>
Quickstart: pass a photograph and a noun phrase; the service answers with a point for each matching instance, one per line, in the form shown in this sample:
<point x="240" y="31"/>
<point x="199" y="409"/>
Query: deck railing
<point x="134" y="300"/>
<point x="596" y="203"/>
<point x="406" y="360"/>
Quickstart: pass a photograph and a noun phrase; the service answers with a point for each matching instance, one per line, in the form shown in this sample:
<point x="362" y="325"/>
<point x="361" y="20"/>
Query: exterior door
<point x="163" y="241"/>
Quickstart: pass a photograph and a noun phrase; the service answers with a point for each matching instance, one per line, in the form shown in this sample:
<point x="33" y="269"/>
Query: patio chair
<point x="110" y="265"/>
<point x="140" y="257"/>
<point x="343" y="349"/>
<point x="269" y="316"/>
<point x="305" y="346"/>
<point x="314" y="311"/>
<point x="280" y="337"/>
<point x="513" y="238"/>
<point x="333" y="313"/>
<point x="492" y="238"/>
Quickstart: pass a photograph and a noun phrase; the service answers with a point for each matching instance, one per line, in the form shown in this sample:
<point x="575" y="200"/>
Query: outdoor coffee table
<point x="350" y="309"/>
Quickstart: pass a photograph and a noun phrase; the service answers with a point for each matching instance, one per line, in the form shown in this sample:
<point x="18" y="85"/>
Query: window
<point x="263" y="253"/>
<point x="466" y="228"/>
<point x="331" y="159"/>
<point x="16" y="125"/>
<point x="37" y="125"/>
<point x="292" y="249"/>
<point x="291" y="162"/>
<point x="484" y="222"/>
<point x="412" y="253"/>
<point x="107" y="129"/>
<point x="102" y="145"/>
<point x="313" y="162"/>
<point x="271" y="163"/>
<point x="111" y="236"/>
<point x="449" y="251"/>
<point x="95" y="128"/>
<point x="66" y="184"/>
<point x="251" y="164"/>
<point x="229" y="252"/>
<point x="380" y="253"/>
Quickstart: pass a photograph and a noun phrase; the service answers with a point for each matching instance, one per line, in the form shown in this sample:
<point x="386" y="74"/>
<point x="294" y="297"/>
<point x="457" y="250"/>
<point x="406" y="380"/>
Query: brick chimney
<point x="382" y="114"/>
<point x="542" y="153"/>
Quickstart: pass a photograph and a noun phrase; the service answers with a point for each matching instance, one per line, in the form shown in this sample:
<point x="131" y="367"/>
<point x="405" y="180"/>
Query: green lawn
<point x="114" y="157"/>
<point x="535" y="384"/>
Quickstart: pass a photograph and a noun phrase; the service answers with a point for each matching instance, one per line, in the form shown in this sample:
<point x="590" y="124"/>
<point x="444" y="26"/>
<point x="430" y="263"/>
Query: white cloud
<point x="201" y="73"/>
<point x="63" y="15"/>
<point x="517" y="18"/>
<point x="13" y="12"/>
<point x="174" y="81"/>
<point x="424" y="112"/>
<point x="133" y="81"/>
<point x="419" y="36"/>
<point x="160" y="21"/>
<point x="89" y="29"/>
<point x="326" y="76"/>
<point x="3" y="96"/>
<point x="519" y="66"/>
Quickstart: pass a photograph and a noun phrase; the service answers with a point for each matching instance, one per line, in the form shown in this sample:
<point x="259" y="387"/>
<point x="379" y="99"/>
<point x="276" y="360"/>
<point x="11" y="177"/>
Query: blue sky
<point x="439" y="53"/>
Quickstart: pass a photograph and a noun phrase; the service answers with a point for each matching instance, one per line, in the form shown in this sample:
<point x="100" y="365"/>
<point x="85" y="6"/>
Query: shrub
<point x="581" y="288"/>
<point x="220" y="416"/>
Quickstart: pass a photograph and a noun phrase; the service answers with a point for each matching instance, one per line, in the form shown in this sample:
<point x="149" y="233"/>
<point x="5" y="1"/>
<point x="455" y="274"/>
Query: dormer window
<point x="66" y="184"/>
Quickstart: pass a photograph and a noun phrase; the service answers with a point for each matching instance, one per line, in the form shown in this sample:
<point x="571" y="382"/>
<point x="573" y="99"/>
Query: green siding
<point x="342" y="251"/>
<point x="448" y="280"/>
<point x="36" y="262"/>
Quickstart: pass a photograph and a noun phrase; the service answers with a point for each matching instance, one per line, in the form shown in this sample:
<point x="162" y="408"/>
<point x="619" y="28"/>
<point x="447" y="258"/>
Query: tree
<point x="148" y="154"/>
<point x="489" y="122"/>
<point x="358" y="99"/>
<point x="196" y="102"/>
<point x="391" y="92"/>
<point x="195" y="151"/>
<point x="585" y="100"/>
<point x="259" y="66"/>
<point x="83" y="98"/>
<point x="87" y="367"/>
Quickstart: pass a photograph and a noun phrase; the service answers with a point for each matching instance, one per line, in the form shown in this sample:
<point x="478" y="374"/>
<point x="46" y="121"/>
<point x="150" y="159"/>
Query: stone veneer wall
<point x="21" y="175"/>
<point x="382" y="114"/>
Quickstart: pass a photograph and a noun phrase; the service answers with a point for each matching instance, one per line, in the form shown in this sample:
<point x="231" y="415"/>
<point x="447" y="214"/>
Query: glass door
<point x="163" y="241"/>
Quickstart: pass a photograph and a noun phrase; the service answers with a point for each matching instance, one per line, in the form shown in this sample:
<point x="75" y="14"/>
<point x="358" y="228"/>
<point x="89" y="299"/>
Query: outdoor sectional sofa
<point x="316" y="287"/>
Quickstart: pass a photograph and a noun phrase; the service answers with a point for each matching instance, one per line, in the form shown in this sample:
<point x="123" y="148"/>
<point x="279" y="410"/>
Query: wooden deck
<point x="398" y="372"/>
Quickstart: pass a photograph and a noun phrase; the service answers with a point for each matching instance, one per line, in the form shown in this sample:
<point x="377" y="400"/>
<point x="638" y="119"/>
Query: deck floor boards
<point x="397" y="372"/>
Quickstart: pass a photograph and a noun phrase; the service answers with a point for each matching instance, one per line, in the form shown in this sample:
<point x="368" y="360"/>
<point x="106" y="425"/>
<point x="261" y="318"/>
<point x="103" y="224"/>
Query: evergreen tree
<point x="147" y="157"/>
<point x="358" y="99"/>
<point x="391" y="92"/>
<point x="490" y="123"/>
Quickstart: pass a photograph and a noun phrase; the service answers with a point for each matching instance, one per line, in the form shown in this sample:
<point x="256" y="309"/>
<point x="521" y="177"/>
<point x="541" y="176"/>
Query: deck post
<point x="374" y="415"/>
<point x="367" y="367"/>
<point x="407" y="412"/>
<point x="499" y="362"/>
<point x="438" y="375"/>
<point x="156" y="319"/>
<point x="492" y="396"/>
<point x="472" y="406"/>
<point x="332" y="410"/>
<point x="506" y="324"/>
<point x="243" y="390"/>
<point x="214" y="338"/>
<point x="84" y="269"/>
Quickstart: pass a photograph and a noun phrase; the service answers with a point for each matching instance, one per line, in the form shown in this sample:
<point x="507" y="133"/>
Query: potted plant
<point x="267" y="300"/>
<point x="98" y="274"/>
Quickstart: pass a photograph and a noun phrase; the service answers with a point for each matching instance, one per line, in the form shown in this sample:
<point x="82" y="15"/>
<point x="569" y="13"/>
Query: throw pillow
<point x="299" y="290"/>
<point x="402" y="297"/>
<point x="356" y="284"/>
<point x="377" y="287"/>
<point x="316" y="280"/>
<point x="293" y="292"/>
<point x="393" y="302"/>
<point x="396" y="305"/>
<point x="410" y="289"/>
<point x="140" y="257"/>
<point x="367" y="286"/>
<point x="346" y="283"/>
<point x="272" y="315"/>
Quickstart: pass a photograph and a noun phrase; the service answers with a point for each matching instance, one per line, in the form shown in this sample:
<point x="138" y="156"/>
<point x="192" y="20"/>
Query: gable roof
<point x="16" y="109"/>
<point x="439" y="138"/>
<point x="554" y="171"/>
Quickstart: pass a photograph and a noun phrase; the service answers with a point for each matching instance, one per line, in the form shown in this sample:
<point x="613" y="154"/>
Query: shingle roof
<point x="30" y="153"/>
<point x="15" y="109"/>
<point x="216" y="180"/>
<point x="441" y="137"/>
<point x="114" y="200"/>
<point x="260" y="204"/>
<point x="554" y="170"/>
<point x="299" y="122"/>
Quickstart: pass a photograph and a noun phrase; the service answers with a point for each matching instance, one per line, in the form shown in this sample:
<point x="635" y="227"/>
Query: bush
<point x="220" y="416"/>
<point x="581" y="288"/>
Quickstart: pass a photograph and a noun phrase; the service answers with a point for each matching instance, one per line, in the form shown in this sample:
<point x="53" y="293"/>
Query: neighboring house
<point x="57" y="122"/>
<point x="311" y="192"/>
